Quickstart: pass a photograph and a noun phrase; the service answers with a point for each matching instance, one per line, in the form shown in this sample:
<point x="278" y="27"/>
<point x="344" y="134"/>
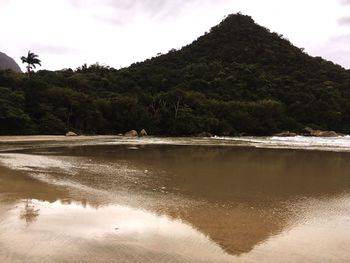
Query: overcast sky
<point x="69" y="33"/>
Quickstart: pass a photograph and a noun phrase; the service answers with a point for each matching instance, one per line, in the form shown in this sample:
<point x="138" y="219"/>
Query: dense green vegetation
<point x="237" y="79"/>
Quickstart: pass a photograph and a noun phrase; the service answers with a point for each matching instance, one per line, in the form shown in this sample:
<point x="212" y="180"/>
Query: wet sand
<point x="38" y="138"/>
<point x="106" y="202"/>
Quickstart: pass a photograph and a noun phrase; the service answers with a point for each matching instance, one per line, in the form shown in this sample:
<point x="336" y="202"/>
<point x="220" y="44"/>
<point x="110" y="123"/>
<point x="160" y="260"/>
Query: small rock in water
<point x="163" y="188"/>
<point x="133" y="148"/>
<point x="146" y="171"/>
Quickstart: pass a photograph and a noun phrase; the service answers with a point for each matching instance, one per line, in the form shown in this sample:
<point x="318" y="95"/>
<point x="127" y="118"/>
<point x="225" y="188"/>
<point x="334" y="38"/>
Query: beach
<point x="105" y="199"/>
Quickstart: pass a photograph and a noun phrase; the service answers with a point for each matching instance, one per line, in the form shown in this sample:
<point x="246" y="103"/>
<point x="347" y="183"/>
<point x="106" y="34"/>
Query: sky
<point x="69" y="33"/>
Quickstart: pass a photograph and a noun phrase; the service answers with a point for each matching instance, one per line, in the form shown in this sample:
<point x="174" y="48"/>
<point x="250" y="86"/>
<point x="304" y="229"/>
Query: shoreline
<point x="22" y="142"/>
<point x="44" y="138"/>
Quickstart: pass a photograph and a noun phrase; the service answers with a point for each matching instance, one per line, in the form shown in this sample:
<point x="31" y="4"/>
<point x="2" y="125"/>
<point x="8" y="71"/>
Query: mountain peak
<point x="237" y="18"/>
<point x="239" y="39"/>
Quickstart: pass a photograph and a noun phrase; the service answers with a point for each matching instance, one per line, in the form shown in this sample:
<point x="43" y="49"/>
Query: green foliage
<point x="13" y="119"/>
<point x="238" y="79"/>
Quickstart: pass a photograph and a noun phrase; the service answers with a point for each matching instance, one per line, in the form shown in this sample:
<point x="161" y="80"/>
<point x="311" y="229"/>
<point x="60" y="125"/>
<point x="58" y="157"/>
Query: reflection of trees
<point x="29" y="213"/>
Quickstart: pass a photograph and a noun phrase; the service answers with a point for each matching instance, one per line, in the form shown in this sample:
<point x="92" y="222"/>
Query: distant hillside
<point x="239" y="78"/>
<point x="8" y="63"/>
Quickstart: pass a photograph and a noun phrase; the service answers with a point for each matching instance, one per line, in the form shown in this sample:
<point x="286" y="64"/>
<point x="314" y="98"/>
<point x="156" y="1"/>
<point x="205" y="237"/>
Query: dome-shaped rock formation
<point x="7" y="62"/>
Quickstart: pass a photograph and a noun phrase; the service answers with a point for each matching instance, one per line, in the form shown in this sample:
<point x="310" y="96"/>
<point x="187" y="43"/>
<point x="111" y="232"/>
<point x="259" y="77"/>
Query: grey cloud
<point x="344" y="20"/>
<point x="124" y="11"/>
<point x="341" y="38"/>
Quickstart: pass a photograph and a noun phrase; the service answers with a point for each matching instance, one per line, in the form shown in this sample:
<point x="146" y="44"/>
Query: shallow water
<point x="173" y="200"/>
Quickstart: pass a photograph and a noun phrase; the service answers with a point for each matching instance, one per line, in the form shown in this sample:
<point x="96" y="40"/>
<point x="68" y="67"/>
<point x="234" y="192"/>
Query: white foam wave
<point x="341" y="143"/>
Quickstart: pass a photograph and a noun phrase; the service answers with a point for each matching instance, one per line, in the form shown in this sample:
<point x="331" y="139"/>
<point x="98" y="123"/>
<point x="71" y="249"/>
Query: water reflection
<point x="29" y="213"/>
<point x="67" y="230"/>
<point x="210" y="204"/>
<point x="112" y="231"/>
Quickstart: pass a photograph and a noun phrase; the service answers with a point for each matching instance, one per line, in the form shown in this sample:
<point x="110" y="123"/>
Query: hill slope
<point x="8" y="63"/>
<point x="239" y="78"/>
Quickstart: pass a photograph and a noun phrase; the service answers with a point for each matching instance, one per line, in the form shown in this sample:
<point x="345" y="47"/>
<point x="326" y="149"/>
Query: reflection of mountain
<point x="246" y="191"/>
<point x="238" y="197"/>
<point x="236" y="229"/>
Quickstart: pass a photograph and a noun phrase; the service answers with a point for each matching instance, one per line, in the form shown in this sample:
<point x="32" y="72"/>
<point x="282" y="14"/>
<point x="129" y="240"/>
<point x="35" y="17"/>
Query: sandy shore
<point x="43" y="138"/>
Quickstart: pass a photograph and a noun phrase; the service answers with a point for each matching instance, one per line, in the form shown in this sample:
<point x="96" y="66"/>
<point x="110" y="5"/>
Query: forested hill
<point x="239" y="78"/>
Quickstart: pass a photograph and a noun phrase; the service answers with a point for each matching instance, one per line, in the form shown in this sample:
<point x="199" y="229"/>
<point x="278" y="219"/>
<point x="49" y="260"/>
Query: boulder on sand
<point x="318" y="133"/>
<point x="131" y="133"/>
<point x="143" y="133"/>
<point x="329" y="134"/>
<point x="70" y="133"/>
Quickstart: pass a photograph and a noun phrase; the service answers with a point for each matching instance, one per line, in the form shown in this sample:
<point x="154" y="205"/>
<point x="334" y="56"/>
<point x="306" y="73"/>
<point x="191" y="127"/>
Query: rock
<point x="309" y="130"/>
<point x="318" y="133"/>
<point x="131" y="133"/>
<point x="328" y="134"/>
<point x="7" y="62"/>
<point x="204" y="134"/>
<point x="286" y="134"/>
<point x="143" y="133"/>
<point x="70" y="133"/>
